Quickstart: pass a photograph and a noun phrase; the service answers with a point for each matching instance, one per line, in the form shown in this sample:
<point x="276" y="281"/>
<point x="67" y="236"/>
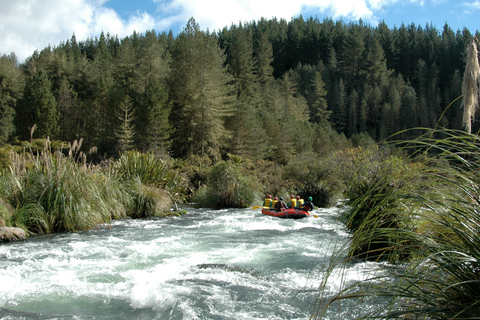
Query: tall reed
<point x="438" y="230"/>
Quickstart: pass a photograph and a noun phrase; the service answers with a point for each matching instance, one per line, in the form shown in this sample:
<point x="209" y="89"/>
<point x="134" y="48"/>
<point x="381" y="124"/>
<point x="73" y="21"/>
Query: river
<point x="208" y="264"/>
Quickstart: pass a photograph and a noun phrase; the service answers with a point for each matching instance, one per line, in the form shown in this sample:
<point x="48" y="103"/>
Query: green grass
<point x="44" y="191"/>
<point x="228" y="186"/>
<point x="433" y="223"/>
<point x="152" y="183"/>
<point x="53" y="193"/>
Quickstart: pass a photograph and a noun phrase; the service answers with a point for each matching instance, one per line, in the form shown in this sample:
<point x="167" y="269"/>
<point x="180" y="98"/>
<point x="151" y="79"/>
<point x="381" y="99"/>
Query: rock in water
<point x="8" y="234"/>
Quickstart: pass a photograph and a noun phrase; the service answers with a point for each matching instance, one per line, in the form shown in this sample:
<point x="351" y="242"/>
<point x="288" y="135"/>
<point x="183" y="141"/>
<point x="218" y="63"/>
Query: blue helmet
<point x="281" y="198"/>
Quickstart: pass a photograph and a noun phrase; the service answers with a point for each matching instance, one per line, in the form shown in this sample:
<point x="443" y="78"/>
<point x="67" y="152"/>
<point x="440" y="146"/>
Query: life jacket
<point x="300" y="202"/>
<point x="293" y="203"/>
<point x="308" y="206"/>
<point x="268" y="202"/>
<point x="273" y="203"/>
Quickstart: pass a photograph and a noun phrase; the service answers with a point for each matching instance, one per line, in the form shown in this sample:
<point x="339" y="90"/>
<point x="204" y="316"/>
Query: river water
<point x="208" y="264"/>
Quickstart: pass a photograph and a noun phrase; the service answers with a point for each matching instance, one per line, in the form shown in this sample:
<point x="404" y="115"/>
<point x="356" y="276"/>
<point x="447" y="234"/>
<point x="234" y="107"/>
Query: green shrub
<point x="372" y="177"/>
<point x="153" y="185"/>
<point x="6" y="213"/>
<point x="228" y="186"/>
<point x="270" y="176"/>
<point x="308" y="175"/>
<point x="438" y="229"/>
<point x="148" y="201"/>
<point x="53" y="193"/>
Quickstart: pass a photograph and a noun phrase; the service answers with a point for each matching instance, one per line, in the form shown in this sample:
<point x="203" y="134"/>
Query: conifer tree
<point x="201" y="94"/>
<point x="375" y="64"/>
<point x="352" y="56"/>
<point x="240" y="61"/>
<point x="386" y="124"/>
<point x="394" y="99"/>
<point x="125" y="132"/>
<point x="11" y="85"/>
<point x="353" y="117"/>
<point x="249" y="138"/>
<point x="319" y="112"/>
<point x="153" y="126"/>
<point x="339" y="106"/>
<point x="263" y="58"/>
<point x="126" y="71"/>
<point x="39" y="108"/>
<point x="363" y="116"/>
<point x="154" y="60"/>
<point x="69" y="118"/>
<point x="408" y="111"/>
<point x="102" y="124"/>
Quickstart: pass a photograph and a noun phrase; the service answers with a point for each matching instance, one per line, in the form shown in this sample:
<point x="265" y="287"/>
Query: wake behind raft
<point x="287" y="213"/>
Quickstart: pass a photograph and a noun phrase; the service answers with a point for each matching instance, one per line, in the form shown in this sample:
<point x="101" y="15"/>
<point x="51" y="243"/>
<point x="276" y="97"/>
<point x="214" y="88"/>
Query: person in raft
<point x="299" y="202"/>
<point x="268" y="201"/>
<point x="275" y="200"/>
<point x="293" y="202"/>
<point x="280" y="205"/>
<point x="308" y="205"/>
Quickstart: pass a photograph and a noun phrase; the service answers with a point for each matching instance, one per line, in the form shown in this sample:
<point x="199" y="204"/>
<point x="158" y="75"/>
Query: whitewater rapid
<point x="208" y="264"/>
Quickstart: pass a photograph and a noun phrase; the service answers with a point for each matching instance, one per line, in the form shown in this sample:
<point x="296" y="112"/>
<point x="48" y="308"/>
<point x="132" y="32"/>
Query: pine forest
<point x="269" y="89"/>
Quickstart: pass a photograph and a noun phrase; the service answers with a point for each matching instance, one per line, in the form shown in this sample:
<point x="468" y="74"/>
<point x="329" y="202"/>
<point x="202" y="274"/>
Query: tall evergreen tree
<point x="339" y="106"/>
<point x="11" y="86"/>
<point x="240" y="61"/>
<point x="69" y="117"/>
<point x="319" y="112"/>
<point x="353" y="114"/>
<point x="102" y="124"/>
<point x="39" y="108"/>
<point x="363" y="116"/>
<point x="153" y="126"/>
<point x="126" y="70"/>
<point x="201" y="94"/>
<point x="125" y="131"/>
<point x="263" y="58"/>
<point x="154" y="60"/>
<point x="352" y="56"/>
<point x="249" y="138"/>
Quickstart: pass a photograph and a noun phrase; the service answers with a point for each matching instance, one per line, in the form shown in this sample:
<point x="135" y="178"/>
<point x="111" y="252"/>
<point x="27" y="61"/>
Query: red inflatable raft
<point x="286" y="214"/>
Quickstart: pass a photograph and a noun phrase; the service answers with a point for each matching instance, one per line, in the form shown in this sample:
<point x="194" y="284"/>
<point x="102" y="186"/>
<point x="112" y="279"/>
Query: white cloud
<point x="215" y="14"/>
<point x="26" y="25"/>
<point x="472" y="5"/>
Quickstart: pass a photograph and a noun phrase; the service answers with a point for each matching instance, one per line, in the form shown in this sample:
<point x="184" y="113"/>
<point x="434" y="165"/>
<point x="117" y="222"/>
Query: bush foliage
<point x="228" y="185"/>
<point x="430" y="218"/>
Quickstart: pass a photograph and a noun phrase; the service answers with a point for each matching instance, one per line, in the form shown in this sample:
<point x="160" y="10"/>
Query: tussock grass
<point x="153" y="184"/>
<point x="52" y="192"/>
<point x="433" y="222"/>
<point x="44" y="191"/>
<point x="228" y="186"/>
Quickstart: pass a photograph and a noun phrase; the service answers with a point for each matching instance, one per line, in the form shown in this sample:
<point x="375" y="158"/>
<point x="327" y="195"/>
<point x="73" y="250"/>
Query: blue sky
<point x="27" y="25"/>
